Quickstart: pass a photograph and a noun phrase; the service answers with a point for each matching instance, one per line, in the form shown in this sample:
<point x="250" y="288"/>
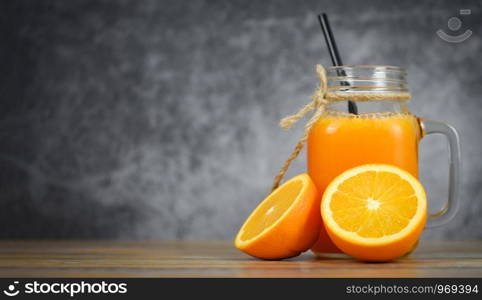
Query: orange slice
<point x="285" y="224"/>
<point x="374" y="212"/>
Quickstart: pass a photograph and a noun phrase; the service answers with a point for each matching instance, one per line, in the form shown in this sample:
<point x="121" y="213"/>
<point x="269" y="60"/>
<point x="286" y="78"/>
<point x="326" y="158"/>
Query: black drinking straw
<point x="334" y="54"/>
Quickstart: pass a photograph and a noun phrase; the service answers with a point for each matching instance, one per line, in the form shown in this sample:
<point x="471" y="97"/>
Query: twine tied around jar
<point x="318" y="103"/>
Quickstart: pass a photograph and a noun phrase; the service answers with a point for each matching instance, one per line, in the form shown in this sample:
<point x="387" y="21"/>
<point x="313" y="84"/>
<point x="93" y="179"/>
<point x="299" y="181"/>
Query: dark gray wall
<point x="158" y="119"/>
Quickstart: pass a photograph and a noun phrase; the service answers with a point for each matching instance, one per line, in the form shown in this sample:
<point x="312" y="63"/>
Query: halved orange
<point x="285" y="224"/>
<point x="374" y="212"/>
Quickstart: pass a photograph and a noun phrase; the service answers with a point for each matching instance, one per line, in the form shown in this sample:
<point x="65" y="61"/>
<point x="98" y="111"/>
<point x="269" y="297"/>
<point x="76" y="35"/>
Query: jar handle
<point x="450" y="208"/>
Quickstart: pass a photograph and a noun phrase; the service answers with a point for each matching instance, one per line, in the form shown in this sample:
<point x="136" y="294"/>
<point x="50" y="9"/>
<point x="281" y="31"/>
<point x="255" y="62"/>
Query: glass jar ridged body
<point x="382" y="132"/>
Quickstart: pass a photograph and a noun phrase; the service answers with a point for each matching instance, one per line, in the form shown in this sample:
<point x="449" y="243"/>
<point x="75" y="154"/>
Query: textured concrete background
<point x="158" y="119"/>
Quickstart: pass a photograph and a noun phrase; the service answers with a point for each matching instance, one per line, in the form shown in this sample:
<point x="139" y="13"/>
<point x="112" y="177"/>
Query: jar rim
<point x="391" y="67"/>
<point x="367" y="79"/>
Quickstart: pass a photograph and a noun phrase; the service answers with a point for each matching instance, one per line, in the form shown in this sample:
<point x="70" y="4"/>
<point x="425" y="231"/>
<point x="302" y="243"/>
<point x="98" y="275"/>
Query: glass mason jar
<point x="382" y="130"/>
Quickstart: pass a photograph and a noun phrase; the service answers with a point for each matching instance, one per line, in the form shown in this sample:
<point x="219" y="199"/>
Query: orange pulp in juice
<point x="338" y="142"/>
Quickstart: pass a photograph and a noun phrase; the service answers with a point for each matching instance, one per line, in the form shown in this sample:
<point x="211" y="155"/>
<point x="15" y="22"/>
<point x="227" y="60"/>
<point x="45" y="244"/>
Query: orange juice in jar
<point x="382" y="131"/>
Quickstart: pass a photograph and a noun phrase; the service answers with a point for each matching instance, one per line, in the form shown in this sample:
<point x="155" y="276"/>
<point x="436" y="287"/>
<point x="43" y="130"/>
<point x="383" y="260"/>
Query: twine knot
<point x="317" y="105"/>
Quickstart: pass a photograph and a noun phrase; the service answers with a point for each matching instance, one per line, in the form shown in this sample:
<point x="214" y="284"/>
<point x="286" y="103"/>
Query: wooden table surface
<point x="220" y="259"/>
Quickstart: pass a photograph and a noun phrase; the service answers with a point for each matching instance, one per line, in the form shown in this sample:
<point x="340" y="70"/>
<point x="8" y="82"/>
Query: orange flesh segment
<point x="374" y="204"/>
<point x="272" y="210"/>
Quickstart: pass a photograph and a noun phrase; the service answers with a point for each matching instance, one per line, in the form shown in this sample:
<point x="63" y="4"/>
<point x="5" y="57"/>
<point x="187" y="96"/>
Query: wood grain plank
<point x="220" y="259"/>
